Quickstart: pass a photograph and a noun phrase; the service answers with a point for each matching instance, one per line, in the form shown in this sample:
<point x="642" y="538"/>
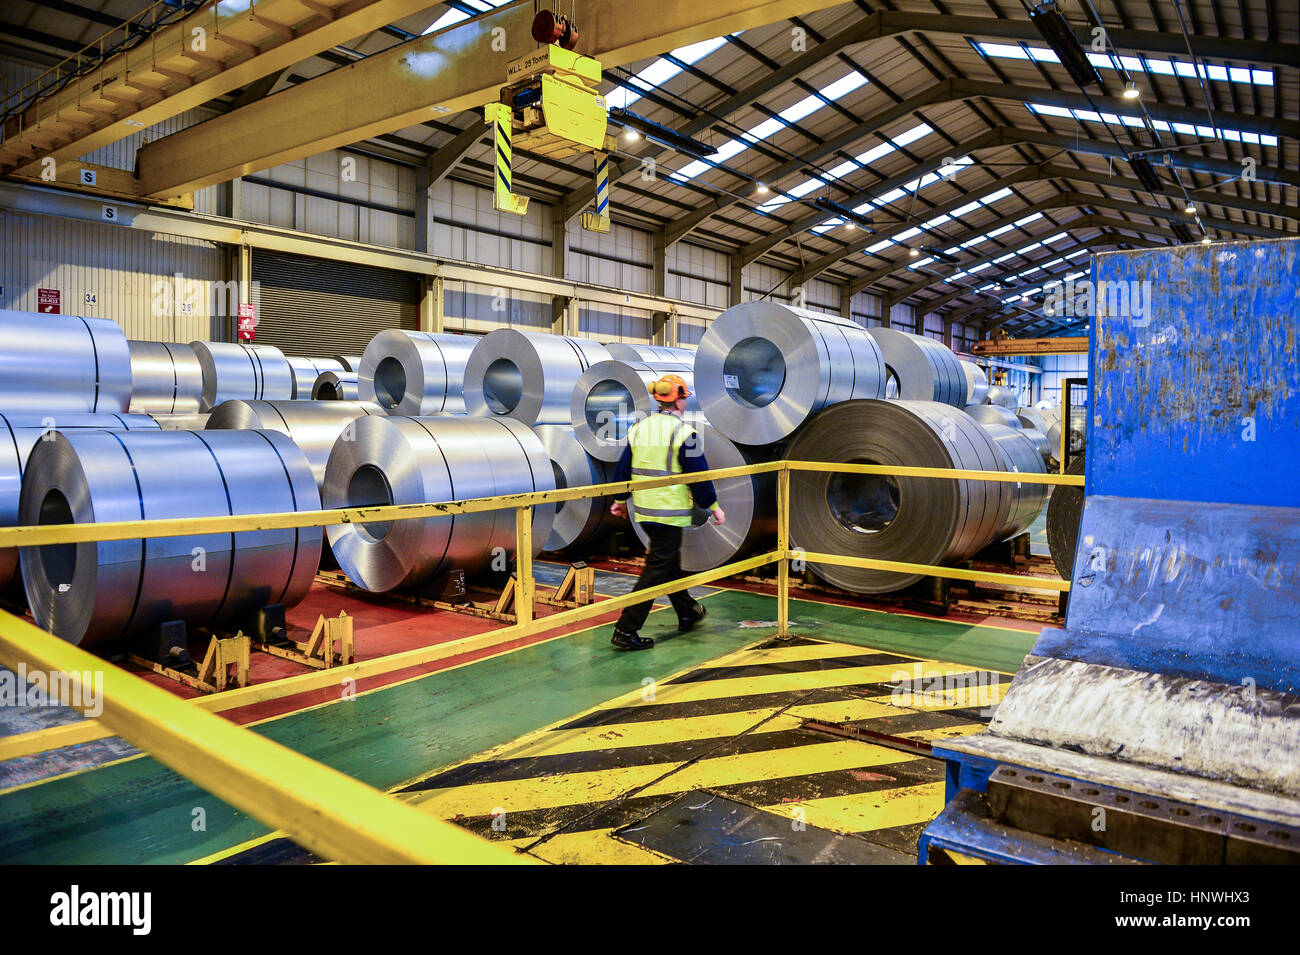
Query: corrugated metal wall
<point x="1058" y="367"/>
<point x="110" y="272"/>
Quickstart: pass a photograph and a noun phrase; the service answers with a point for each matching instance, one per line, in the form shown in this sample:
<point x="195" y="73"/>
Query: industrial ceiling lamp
<point x="1047" y="17"/>
<point x="1190" y="210"/>
<point x="1205" y="240"/>
<point x="1131" y="90"/>
<point x="630" y="134"/>
<point x="658" y="133"/>
<point x="760" y="189"/>
<point x="913" y="252"/>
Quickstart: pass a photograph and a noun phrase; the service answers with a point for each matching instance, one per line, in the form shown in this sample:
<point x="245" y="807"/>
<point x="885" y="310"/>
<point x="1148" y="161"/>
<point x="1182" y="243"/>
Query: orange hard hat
<point x="670" y="388"/>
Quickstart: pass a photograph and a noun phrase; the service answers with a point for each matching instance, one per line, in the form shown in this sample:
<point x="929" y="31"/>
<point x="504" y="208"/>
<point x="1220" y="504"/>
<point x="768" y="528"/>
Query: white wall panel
<point x="903" y="317"/>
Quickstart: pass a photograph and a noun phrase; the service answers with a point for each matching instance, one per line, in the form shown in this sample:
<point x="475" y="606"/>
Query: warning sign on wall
<point x="247" y="321"/>
<point x="48" y="300"/>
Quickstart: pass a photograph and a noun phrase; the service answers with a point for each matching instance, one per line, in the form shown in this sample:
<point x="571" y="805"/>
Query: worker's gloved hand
<point x="618" y="509"/>
<point x="719" y="516"/>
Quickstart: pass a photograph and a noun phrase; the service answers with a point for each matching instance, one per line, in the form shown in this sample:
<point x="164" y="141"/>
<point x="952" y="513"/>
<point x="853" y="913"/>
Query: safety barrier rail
<point x="326" y="811"/>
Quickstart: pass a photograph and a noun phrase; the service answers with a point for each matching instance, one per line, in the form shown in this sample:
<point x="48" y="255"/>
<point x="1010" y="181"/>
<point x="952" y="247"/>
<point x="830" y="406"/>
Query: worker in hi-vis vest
<point x="661" y="445"/>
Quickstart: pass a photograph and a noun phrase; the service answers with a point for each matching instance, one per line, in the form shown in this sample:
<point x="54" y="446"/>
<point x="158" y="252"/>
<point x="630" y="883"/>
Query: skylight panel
<point x="1134" y="64"/>
<point x="1183" y="129"/>
<point x="658" y="72"/>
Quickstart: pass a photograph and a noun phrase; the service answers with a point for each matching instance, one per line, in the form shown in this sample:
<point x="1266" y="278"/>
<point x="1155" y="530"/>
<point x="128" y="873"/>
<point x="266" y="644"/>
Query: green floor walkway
<point x="138" y="811"/>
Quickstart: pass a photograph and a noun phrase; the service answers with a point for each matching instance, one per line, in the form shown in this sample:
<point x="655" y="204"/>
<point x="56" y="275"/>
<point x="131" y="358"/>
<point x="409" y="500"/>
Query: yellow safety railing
<point x="326" y="811"/>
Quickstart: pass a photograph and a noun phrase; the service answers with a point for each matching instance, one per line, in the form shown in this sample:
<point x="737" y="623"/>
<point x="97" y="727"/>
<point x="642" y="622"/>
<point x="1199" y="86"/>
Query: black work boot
<point x="630" y="641"/>
<point x="687" y="624"/>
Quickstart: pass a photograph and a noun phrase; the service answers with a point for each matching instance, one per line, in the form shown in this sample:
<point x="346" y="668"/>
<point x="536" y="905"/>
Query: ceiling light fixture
<point x="913" y="252"/>
<point x="1191" y="209"/>
<point x="1060" y="36"/>
<point x="1131" y="91"/>
<point x="761" y="189"/>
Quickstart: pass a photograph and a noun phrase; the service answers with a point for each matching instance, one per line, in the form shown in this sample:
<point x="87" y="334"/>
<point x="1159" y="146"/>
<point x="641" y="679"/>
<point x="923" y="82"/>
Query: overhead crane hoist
<point x="550" y="105"/>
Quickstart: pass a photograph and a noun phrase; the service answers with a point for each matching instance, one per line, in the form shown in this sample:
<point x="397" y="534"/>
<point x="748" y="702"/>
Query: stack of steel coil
<point x="918" y="520"/>
<point x="182" y="422"/>
<point x="314" y="426"/>
<point x="1020" y="453"/>
<point x="993" y="414"/>
<point x="336" y="386"/>
<point x="306" y="371"/>
<point x="763" y="368"/>
<point x="920" y="368"/>
<point x="1003" y="398"/>
<point x="749" y="502"/>
<point x="403" y="460"/>
<point x="977" y="383"/>
<point x="166" y="378"/>
<point x="582" y="522"/>
<point x="415" y="373"/>
<point x="611" y="396"/>
<point x="237" y="370"/>
<point x="650" y="354"/>
<point x="98" y="593"/>
<point x="19" y="434"/>
<point x="350" y="363"/>
<point x="527" y="376"/>
<point x="52" y="364"/>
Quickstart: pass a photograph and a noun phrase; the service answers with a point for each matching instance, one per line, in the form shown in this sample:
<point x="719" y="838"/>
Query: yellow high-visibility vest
<point x="655" y="443"/>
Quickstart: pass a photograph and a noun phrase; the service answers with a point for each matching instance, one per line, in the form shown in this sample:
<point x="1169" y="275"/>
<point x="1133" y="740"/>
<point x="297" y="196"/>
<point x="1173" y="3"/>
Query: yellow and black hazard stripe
<point x="747" y="730"/>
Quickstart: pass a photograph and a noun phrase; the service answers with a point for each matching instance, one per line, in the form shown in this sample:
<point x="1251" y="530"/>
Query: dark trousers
<point x="663" y="564"/>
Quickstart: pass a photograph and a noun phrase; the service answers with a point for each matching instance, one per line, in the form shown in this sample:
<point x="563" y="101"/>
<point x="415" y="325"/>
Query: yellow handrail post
<point x="524" y="584"/>
<point x="783" y="548"/>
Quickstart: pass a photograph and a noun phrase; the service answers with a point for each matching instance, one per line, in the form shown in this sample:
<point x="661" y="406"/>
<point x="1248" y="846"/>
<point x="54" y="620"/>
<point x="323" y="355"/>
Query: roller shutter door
<point x="318" y="307"/>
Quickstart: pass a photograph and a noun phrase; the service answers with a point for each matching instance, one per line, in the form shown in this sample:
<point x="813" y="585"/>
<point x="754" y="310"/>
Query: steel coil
<point x="611" y="396"/>
<point x="977" y="383"/>
<point x="19" y="434"/>
<point x="306" y="371"/>
<point x="237" y="370"/>
<point x="1003" y="398"/>
<point x="350" y="363"/>
<point x="415" y="373"/>
<point x="920" y="368"/>
<point x="527" y="376"/>
<point x="582" y="522"/>
<point x="404" y="460"/>
<point x="1040" y="442"/>
<point x="749" y="502"/>
<point x="182" y="422"/>
<point x="763" y="368"/>
<point x="1063" y="512"/>
<point x="1032" y="418"/>
<point x="1019" y="453"/>
<point x="314" y="426"/>
<point x="336" y="386"/>
<point x="993" y="414"/>
<point x="100" y="593"/>
<point x="52" y="364"/>
<point x="920" y="520"/>
<point x="649" y="354"/>
<point x="166" y="378"/>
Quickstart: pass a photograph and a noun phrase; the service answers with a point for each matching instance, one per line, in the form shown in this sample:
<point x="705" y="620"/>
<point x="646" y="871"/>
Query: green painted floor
<point x="138" y="811"/>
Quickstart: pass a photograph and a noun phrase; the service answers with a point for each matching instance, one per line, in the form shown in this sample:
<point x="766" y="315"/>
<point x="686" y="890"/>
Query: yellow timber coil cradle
<point x="306" y="371"/>
<point x="19" y="434"/>
<point x="528" y="376"/>
<point x="920" y="368"/>
<point x="763" y="368"/>
<point x="749" y="502"/>
<point x="166" y="378"/>
<point x="404" y="460"/>
<point x="336" y="386"/>
<point x="62" y="363"/>
<point x="101" y="593"/>
<point x="611" y="396"/>
<point x="577" y="523"/>
<point x="415" y="373"/>
<point x="237" y="370"/>
<point x="1019" y="453"/>
<point x="910" y="519"/>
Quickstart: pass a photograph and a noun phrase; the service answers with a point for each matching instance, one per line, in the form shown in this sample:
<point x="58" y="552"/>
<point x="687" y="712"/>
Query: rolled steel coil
<point x="920" y="368"/>
<point x="1003" y="397"/>
<point x="749" y="502"/>
<point x="166" y="378"/>
<point x="1032" y="418"/>
<point x="919" y="520"/>
<point x="582" y="522"/>
<point x="52" y="364"/>
<point x="182" y="422"/>
<point x="415" y="373"/>
<point x="336" y="386"/>
<point x="611" y="396"/>
<point x="101" y="593"/>
<point x="1040" y="442"/>
<point x="238" y="370"/>
<point x="977" y="383"/>
<point x="350" y="363"/>
<point x="1063" y="512"/>
<point x="19" y="434"/>
<point x="315" y="426"/>
<point x="993" y="414"/>
<point x="527" y="376"/>
<point x="763" y="368"/>
<point x="306" y="371"/>
<point x="1019" y="453"/>
<point x="649" y="354"/>
<point x="403" y="460"/>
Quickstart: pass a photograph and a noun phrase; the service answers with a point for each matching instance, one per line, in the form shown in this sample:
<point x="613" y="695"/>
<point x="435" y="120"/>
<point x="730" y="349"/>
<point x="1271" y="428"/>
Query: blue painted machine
<point x="1162" y="724"/>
